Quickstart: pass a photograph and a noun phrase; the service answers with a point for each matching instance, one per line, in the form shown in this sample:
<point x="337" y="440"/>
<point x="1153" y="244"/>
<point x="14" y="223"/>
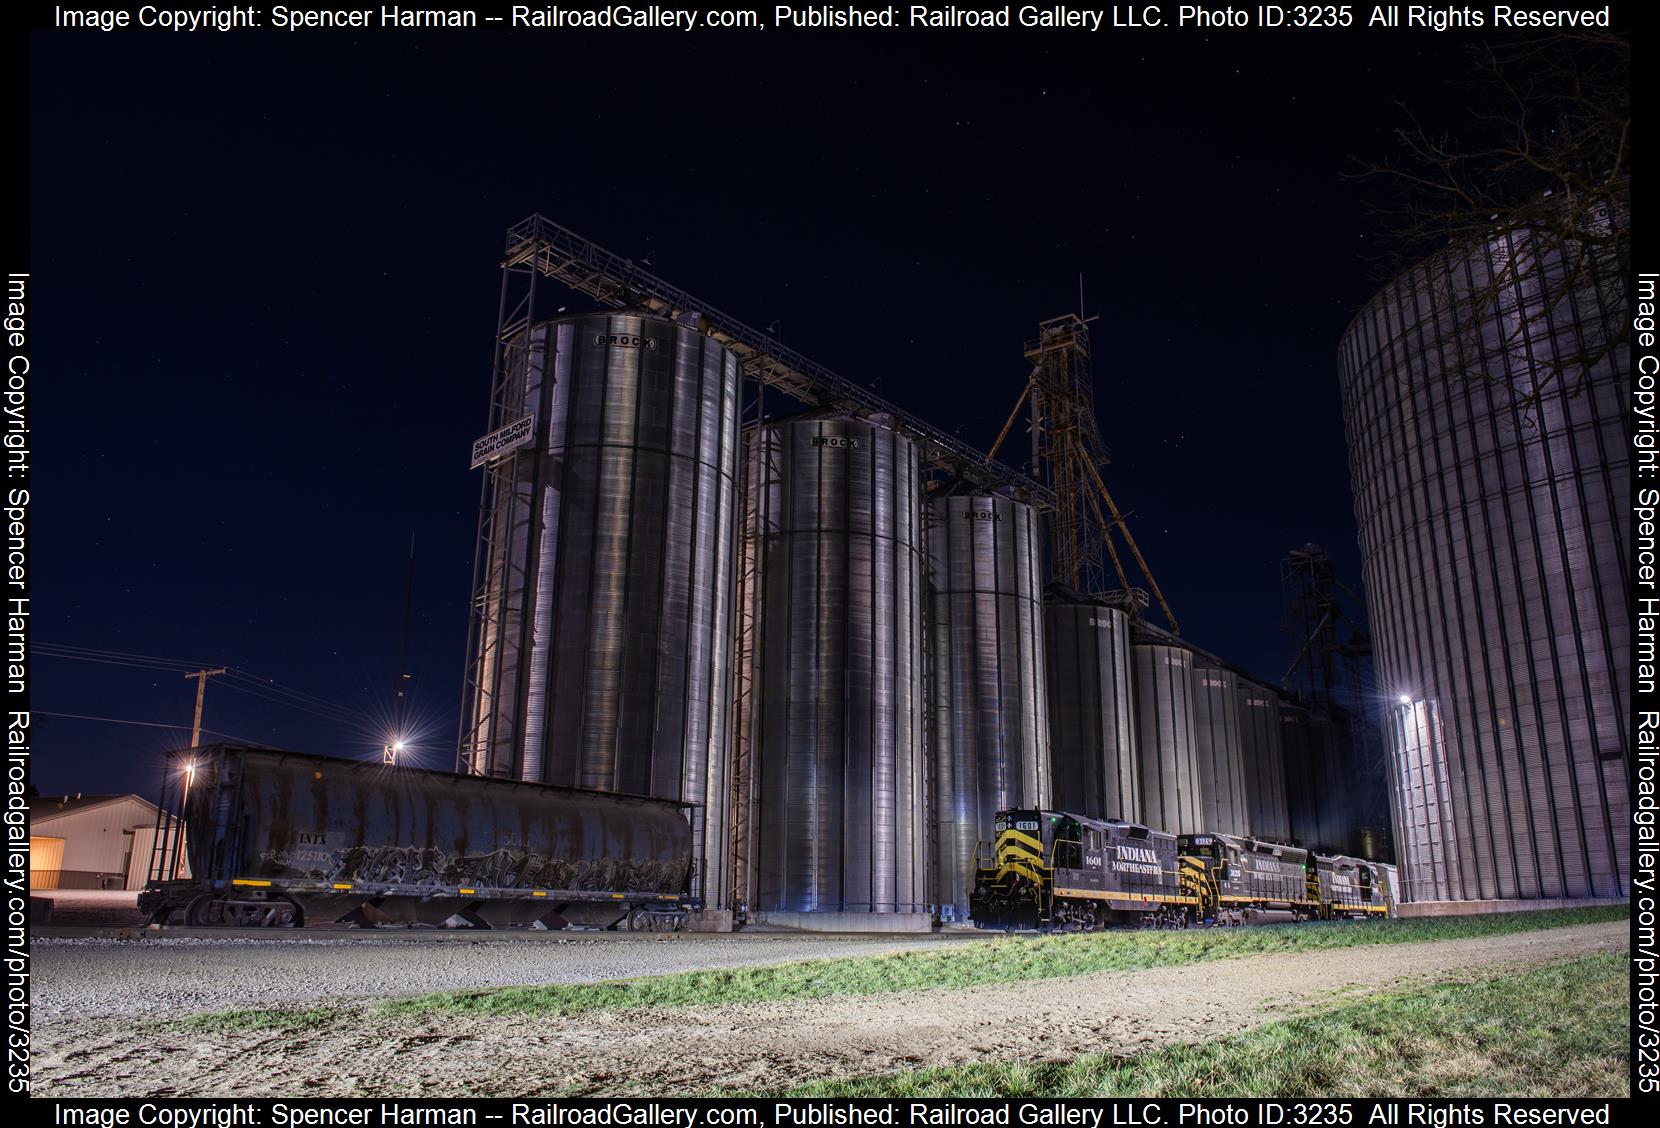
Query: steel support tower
<point x="1067" y="459"/>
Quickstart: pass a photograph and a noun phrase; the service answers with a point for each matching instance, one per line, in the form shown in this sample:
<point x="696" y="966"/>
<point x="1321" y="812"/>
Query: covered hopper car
<point x="281" y="839"/>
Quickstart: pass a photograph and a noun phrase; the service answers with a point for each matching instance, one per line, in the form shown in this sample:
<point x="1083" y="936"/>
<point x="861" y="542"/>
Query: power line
<point x="266" y="689"/>
<point x="65" y="650"/>
<point x="145" y="724"/>
<point x="47" y="653"/>
<point x="336" y="713"/>
<point x="300" y="695"/>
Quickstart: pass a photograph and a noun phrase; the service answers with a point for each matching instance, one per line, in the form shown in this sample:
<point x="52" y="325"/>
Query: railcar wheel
<point x="283" y="913"/>
<point x="204" y="911"/>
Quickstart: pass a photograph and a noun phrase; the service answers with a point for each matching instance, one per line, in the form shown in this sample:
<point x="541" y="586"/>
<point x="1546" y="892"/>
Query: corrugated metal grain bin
<point x="1092" y="712"/>
<point x="1484" y="399"/>
<point x="1264" y="759"/>
<point x="1164" y="734"/>
<point x="1219" y="751"/>
<point x="1316" y="781"/>
<point x="840" y="760"/>
<point x="989" y="734"/>
<point x="605" y="612"/>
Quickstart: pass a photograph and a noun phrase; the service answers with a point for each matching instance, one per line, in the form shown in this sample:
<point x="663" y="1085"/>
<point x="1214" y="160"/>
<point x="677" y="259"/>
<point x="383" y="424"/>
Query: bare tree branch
<point x="1533" y="201"/>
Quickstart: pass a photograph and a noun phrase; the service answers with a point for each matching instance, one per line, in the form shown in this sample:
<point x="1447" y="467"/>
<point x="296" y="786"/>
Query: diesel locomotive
<point x="252" y="837"/>
<point x="1053" y="870"/>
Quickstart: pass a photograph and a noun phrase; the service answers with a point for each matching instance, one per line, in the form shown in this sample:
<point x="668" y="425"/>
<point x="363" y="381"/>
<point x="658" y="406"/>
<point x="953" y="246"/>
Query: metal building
<point x="1165" y="738"/>
<point x="91" y="841"/>
<point x="1094" y="764"/>
<point x="603" y="613"/>
<point x="1482" y="398"/>
<point x="988" y="731"/>
<point x="1263" y="757"/>
<point x="836" y="671"/>
<point x="1219" y="751"/>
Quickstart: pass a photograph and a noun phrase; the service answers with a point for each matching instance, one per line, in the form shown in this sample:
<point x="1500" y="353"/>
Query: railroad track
<point x="460" y="935"/>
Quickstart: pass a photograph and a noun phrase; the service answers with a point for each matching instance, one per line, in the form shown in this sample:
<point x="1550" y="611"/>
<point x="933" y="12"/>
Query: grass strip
<point x="1557" y="1031"/>
<point x="969" y="964"/>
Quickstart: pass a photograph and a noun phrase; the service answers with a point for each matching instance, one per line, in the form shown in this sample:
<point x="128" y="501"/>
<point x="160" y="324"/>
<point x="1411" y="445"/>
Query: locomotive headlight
<point x="1406" y="699"/>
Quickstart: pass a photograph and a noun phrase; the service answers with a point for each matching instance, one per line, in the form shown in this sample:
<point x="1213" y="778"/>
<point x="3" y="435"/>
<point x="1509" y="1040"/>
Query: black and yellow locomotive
<point x="1049" y="870"/>
<point x="1247" y="874"/>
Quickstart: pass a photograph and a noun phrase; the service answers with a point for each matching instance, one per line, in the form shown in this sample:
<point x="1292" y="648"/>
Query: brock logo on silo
<point x="625" y="341"/>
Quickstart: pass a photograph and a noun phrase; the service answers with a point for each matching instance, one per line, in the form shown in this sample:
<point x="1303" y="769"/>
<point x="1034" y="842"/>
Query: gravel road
<point x="766" y="1045"/>
<point x="99" y="978"/>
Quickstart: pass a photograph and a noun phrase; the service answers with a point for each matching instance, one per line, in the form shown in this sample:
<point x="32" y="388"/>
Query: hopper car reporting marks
<point x="251" y="837"/>
<point x="1050" y="870"/>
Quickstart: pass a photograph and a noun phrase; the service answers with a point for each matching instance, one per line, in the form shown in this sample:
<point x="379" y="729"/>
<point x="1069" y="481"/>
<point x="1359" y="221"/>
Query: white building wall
<point x="96" y="839"/>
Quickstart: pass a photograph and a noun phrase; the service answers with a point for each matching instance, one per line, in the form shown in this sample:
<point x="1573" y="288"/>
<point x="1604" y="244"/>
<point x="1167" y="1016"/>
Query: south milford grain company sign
<point x="503" y="440"/>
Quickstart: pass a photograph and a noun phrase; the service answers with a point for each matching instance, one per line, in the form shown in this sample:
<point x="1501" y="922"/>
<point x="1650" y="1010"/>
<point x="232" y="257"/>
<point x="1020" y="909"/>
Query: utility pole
<point x="201" y="677"/>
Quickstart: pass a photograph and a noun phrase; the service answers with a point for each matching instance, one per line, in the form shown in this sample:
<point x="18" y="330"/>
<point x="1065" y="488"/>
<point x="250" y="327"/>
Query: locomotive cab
<point x="1057" y="870"/>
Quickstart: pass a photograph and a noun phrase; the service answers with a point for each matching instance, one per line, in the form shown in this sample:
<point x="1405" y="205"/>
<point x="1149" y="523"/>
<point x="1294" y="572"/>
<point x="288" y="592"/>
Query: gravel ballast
<point x="78" y="979"/>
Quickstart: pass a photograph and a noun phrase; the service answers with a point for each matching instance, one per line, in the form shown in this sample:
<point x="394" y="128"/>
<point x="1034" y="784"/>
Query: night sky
<point x="265" y="284"/>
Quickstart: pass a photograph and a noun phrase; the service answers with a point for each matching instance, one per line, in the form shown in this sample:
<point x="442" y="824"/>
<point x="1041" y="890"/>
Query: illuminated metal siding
<point x="1165" y="738"/>
<point x="989" y="734"/>
<point x="1219" y="752"/>
<point x="1264" y="761"/>
<point x="607" y="655"/>
<point x="1421" y="800"/>
<point x="1092" y="724"/>
<point x="1493" y="536"/>
<point x="838" y="680"/>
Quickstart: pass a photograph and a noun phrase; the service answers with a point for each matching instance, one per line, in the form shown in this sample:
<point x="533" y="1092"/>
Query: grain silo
<point x="1264" y="760"/>
<point x="1316" y="781"/>
<point x="1165" y="738"/>
<point x="1094" y="764"/>
<point x="602" y="648"/>
<point x="1483" y="393"/>
<point x="837" y="674"/>
<point x="1219" y="751"/>
<point x="988" y="733"/>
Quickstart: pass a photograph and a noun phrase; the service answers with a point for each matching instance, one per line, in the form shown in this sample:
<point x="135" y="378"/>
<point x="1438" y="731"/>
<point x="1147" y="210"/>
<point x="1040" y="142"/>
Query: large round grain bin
<point x="1316" y="781"/>
<point x="1218" y="748"/>
<point x="1263" y="757"/>
<point x="837" y="690"/>
<point x="989" y="734"/>
<point x="603" y="649"/>
<point x="1094" y="764"/>
<point x="1165" y="738"/>
<point x="1485" y="399"/>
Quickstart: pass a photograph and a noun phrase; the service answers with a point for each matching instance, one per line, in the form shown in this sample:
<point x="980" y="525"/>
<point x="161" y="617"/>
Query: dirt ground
<point x="767" y="1045"/>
